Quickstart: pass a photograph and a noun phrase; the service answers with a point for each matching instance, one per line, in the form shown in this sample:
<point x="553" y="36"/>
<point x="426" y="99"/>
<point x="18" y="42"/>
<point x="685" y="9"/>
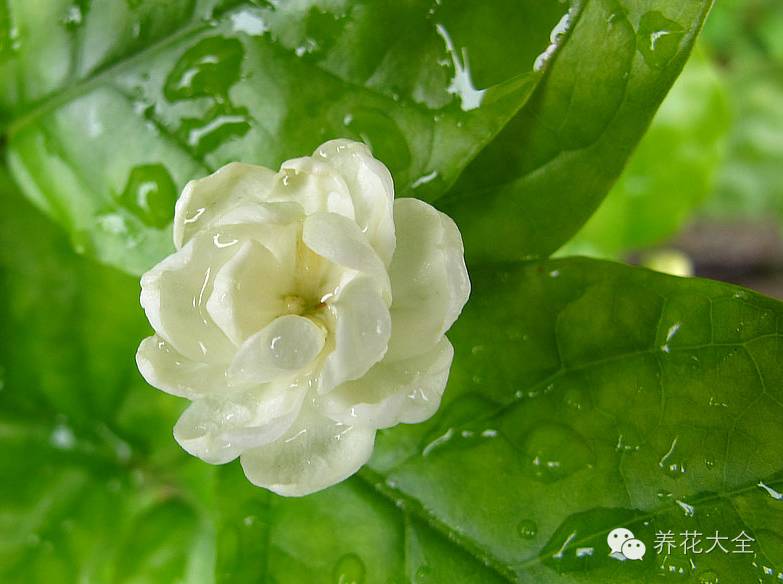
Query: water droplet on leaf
<point x="207" y="69"/>
<point x="150" y="195"/>
<point x="349" y="570"/>
<point x="527" y="528"/>
<point x="658" y="39"/>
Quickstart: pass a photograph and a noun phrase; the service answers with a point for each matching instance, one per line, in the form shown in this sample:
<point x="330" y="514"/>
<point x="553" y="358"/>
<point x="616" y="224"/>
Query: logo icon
<point x="624" y="546"/>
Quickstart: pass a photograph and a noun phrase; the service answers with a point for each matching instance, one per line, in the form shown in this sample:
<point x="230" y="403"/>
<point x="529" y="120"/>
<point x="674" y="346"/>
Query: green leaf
<point x="671" y="172"/>
<point x="626" y="398"/>
<point x="532" y="188"/>
<point x="622" y="398"/>
<point x="105" y="145"/>
<point x="93" y="487"/>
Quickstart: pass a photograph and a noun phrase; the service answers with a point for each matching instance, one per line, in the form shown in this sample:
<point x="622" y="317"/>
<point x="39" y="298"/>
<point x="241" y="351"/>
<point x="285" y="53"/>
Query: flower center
<point x="294" y="304"/>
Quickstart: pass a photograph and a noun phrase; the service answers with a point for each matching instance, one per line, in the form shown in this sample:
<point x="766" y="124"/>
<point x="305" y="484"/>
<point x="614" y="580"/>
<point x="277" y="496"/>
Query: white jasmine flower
<point x="302" y="311"/>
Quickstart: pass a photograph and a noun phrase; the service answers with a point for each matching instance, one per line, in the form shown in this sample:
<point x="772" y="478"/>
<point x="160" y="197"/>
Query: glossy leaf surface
<point x="626" y="398"/>
<point x="104" y="129"/>
<point x="550" y="167"/>
<point x="671" y="173"/>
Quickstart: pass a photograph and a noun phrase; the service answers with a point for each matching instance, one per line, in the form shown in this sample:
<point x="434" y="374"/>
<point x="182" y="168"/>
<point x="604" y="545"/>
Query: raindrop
<point x="674" y="566"/>
<point x="423" y="575"/>
<point x="777" y="495"/>
<point x="150" y="195"/>
<point x="577" y="399"/>
<point x="658" y="39"/>
<point x="669" y="462"/>
<point x="554" y="452"/>
<point x="249" y="21"/>
<point x="349" y="570"/>
<point x="709" y="577"/>
<point x="222" y="123"/>
<point x="207" y="69"/>
<point x="74" y="17"/>
<point x="62" y="437"/>
<point x="555" y="37"/>
<point x="527" y="528"/>
<point x="462" y="83"/>
<point x="425" y="179"/>
<point x="689" y="510"/>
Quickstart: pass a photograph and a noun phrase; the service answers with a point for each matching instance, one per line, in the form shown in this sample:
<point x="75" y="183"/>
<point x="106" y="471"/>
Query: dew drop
<point x="249" y="21"/>
<point x="674" y="566"/>
<point x="527" y="528"/>
<point x="577" y="399"/>
<point x="658" y="39"/>
<point x="423" y="575"/>
<point x="709" y="462"/>
<point x="461" y="84"/>
<point x="150" y="195"/>
<point x="220" y="124"/>
<point x="670" y="462"/>
<point x="62" y="437"/>
<point x="207" y="69"/>
<point x="554" y="452"/>
<point x="689" y="510"/>
<point x="777" y="495"/>
<point x="349" y="569"/>
<point x="709" y="577"/>
<point x="555" y="37"/>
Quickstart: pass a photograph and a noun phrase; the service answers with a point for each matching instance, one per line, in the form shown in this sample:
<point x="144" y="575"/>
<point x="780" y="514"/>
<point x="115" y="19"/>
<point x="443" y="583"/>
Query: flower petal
<point x="314" y="185"/>
<point x="218" y="429"/>
<point x="205" y="200"/>
<point x="340" y="241"/>
<point x="315" y="453"/>
<point x="170" y="371"/>
<point x="249" y="292"/>
<point x="174" y="295"/>
<point x="430" y="282"/>
<point x="372" y="191"/>
<point x="286" y="345"/>
<point x="361" y="330"/>
<point x="406" y="391"/>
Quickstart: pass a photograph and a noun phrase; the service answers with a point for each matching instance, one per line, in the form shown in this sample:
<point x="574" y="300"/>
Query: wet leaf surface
<point x="625" y="399"/>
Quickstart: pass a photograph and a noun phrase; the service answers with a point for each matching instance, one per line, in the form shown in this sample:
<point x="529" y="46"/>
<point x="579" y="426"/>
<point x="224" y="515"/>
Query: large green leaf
<point x="105" y="148"/>
<point x="671" y="172"/>
<point x="584" y="396"/>
<point x="92" y="489"/>
<point x="113" y="108"/>
<point x="532" y="188"/>
<point x="625" y="398"/>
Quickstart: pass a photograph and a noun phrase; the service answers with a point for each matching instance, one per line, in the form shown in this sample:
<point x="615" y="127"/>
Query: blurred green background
<point x="707" y="180"/>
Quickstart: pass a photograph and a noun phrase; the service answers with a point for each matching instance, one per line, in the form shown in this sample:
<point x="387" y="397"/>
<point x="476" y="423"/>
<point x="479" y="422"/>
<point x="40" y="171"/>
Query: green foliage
<point x="746" y="38"/>
<point x="671" y="173"/>
<point x="624" y="397"/>
<point x="584" y="395"/>
<point x="425" y="84"/>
